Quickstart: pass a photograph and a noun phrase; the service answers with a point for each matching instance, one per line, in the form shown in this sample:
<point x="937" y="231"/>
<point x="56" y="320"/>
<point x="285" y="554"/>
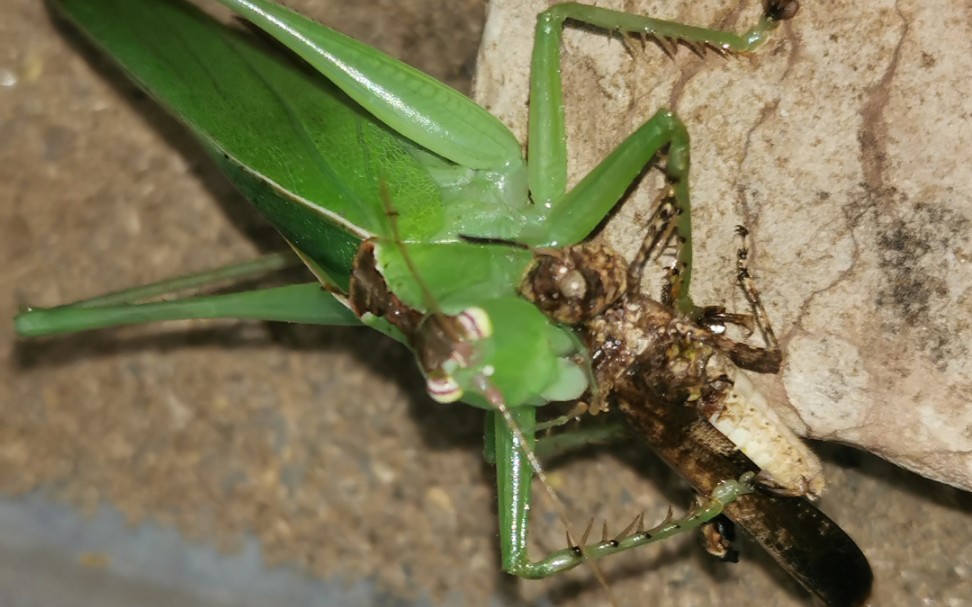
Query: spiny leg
<point x="671" y="221"/>
<point x="766" y="359"/>
<point x="514" y="475"/>
<point x="634" y="535"/>
<point x="657" y="235"/>
<point x="745" y="281"/>
<point x="573" y="216"/>
<point x="306" y="303"/>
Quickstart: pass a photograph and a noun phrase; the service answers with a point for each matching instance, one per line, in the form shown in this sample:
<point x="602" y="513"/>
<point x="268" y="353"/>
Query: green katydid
<point x="316" y="161"/>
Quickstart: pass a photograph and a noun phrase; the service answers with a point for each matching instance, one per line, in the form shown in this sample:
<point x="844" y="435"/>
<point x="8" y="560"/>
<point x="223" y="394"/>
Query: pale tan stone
<point x="844" y="146"/>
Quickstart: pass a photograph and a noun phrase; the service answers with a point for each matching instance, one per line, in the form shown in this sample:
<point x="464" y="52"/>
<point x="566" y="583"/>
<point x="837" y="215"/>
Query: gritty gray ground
<point x="318" y="442"/>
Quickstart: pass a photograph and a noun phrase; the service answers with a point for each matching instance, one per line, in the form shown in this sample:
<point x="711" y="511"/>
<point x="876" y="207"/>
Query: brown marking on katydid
<point x="435" y="338"/>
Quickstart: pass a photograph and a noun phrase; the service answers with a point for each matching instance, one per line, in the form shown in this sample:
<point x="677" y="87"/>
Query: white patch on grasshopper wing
<point x="751" y="424"/>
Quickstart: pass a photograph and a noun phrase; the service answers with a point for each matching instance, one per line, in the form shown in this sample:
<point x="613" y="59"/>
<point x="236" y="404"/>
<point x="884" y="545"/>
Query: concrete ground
<point x="190" y="462"/>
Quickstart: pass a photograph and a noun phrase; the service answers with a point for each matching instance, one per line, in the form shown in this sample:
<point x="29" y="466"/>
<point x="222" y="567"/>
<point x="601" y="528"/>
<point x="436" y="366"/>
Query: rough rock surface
<point x="321" y="443"/>
<point x="842" y="146"/>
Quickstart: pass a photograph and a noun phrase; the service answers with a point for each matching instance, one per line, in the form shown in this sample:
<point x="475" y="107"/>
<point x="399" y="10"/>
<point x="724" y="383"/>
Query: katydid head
<point x="464" y="343"/>
<point x="465" y="321"/>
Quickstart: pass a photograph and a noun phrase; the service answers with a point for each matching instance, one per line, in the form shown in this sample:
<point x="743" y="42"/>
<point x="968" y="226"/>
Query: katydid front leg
<point x="570" y="217"/>
<point x="575" y="214"/>
<point x="513" y="479"/>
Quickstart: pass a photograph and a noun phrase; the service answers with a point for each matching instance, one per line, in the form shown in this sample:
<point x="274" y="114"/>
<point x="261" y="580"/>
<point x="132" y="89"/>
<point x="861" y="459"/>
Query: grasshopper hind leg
<point x="765" y="359"/>
<point x="671" y="225"/>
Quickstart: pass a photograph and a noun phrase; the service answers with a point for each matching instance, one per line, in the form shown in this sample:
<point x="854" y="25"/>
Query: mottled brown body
<point x="676" y="358"/>
<point x="804" y="541"/>
<point x="670" y="375"/>
<point x="686" y="364"/>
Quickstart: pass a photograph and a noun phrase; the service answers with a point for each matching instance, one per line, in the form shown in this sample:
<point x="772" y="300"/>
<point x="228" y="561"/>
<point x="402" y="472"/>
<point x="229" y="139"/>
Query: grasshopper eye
<point x="572" y="285"/>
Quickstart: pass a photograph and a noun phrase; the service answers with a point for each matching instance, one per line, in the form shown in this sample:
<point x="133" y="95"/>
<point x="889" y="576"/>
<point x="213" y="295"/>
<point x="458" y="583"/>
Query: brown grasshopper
<point x="668" y="366"/>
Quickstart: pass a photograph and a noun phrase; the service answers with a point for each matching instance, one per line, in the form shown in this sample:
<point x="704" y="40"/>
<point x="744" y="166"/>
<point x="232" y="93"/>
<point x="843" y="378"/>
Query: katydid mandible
<point x="321" y="157"/>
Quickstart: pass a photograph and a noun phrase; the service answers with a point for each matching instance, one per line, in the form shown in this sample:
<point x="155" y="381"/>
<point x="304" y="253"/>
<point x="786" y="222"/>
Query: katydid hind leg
<point x="159" y="302"/>
<point x="301" y="303"/>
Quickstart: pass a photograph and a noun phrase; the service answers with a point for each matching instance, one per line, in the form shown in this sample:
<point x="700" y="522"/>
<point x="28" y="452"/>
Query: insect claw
<point x="604" y="533"/>
<point x="718" y="535"/>
<point x="780" y="10"/>
<point x="641" y="522"/>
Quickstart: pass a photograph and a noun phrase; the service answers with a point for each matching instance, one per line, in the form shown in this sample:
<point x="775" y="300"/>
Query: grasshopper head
<point x="575" y="283"/>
